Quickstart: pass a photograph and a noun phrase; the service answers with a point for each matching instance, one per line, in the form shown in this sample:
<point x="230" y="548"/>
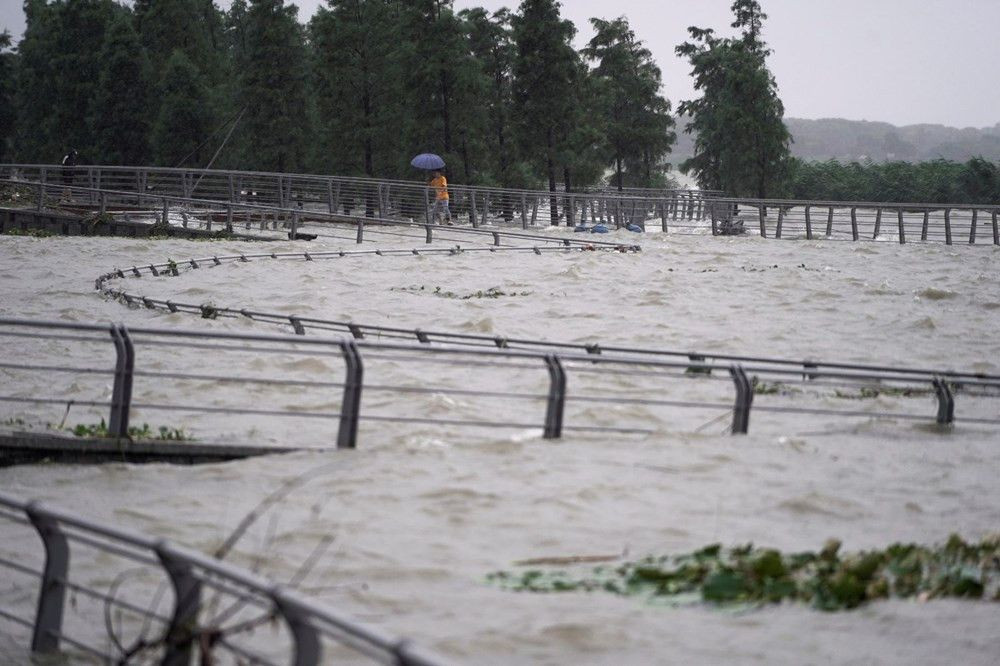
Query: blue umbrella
<point x="427" y="161"/>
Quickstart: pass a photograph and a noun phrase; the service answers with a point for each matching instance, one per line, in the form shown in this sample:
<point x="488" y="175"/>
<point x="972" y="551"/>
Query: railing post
<point x="350" y="407"/>
<point x="103" y="203"/>
<point x="295" y="224"/>
<point x="308" y="647"/>
<point x="663" y="216"/>
<point x="946" y="402"/>
<point x="809" y="226"/>
<point x="229" y="218"/>
<point x="361" y="231"/>
<point x="760" y="214"/>
<point x="166" y="210"/>
<point x="878" y="222"/>
<point x="902" y="229"/>
<point x="524" y="211"/>
<point x="744" y="400"/>
<point x="52" y="593"/>
<point x="121" y="394"/>
<point x="41" y="195"/>
<point x="429" y="233"/>
<point x="187" y="603"/>
<point x="854" y="223"/>
<point x="557" y="398"/>
<point x="781" y="219"/>
<point x="829" y="222"/>
<point x="947" y="226"/>
<point x="996" y="228"/>
<point x="972" y="229"/>
<point x="427" y="205"/>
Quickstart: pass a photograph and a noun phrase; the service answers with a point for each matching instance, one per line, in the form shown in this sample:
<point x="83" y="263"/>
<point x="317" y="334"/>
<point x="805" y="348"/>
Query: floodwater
<point x="420" y="514"/>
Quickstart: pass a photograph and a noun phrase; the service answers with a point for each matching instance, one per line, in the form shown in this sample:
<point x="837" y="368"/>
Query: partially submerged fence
<point x="853" y="221"/>
<point x="384" y="199"/>
<point x="270" y="222"/>
<point x="211" y="629"/>
<point x="563" y="383"/>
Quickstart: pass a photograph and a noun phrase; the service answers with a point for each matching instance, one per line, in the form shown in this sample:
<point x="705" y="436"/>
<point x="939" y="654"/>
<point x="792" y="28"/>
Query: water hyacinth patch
<point x="826" y="580"/>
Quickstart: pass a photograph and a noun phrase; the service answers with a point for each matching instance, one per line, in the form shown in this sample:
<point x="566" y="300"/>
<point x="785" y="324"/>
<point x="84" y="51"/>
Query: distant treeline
<point x="504" y="97"/>
<point x="937" y="181"/>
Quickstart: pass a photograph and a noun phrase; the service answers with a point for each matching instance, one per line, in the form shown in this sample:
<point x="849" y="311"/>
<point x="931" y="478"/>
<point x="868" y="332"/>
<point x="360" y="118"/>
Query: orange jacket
<point x="440" y="185"/>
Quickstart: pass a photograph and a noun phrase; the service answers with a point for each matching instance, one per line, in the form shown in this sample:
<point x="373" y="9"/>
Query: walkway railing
<point x="853" y="220"/>
<point x="199" y="360"/>
<point x="272" y="222"/>
<point x="241" y="601"/>
<point x="384" y="199"/>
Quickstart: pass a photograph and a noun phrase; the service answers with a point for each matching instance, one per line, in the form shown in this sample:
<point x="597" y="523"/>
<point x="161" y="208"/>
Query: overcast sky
<point x="901" y="61"/>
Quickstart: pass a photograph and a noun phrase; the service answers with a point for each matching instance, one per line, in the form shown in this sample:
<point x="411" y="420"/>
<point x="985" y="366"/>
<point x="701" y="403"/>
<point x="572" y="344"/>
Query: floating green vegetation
<point x="32" y="233"/>
<point x="872" y="392"/>
<point x="827" y="580"/>
<point x="209" y="311"/>
<point x="492" y="292"/>
<point x="164" y="433"/>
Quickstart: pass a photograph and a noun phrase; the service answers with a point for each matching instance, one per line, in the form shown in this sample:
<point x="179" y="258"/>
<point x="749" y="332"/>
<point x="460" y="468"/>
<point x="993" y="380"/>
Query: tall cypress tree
<point x="492" y="44"/>
<point x="358" y="82"/>
<point x="635" y="118"/>
<point x="119" y="117"/>
<point x="182" y="122"/>
<point x="273" y="88"/>
<point x="546" y="76"/>
<point x="8" y="63"/>
<point x="742" y="143"/>
<point x="58" y="71"/>
<point x="444" y="85"/>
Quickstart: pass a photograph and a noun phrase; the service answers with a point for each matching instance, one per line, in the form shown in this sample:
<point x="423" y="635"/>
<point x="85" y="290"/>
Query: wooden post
<point x="878" y="222"/>
<point x="972" y="229"/>
<point x="809" y="226"/>
<point x="763" y="226"/>
<point x="854" y="223"/>
<point x="902" y="230"/>
<point x="947" y="226"/>
<point x="923" y="229"/>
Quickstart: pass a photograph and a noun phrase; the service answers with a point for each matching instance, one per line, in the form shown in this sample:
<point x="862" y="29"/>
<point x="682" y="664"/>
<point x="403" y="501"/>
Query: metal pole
<point x="902" y="230"/>
<point x="361" y="231"/>
<point x="350" y="407"/>
<point x="52" y="593"/>
<point x="308" y="647"/>
<point x="121" y="393"/>
<point x="854" y="223"/>
<point x="761" y="216"/>
<point x="809" y="226"/>
<point x="187" y="602"/>
<point x="557" y="398"/>
<point x="946" y="402"/>
<point x="781" y="219"/>
<point x="947" y="226"/>
<point x="972" y="229"/>
<point x="878" y="222"/>
<point x="744" y="399"/>
<point x="923" y="230"/>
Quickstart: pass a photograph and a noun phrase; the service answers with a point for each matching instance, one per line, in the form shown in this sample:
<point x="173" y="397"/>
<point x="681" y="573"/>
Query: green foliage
<point x="635" y="119"/>
<point x="100" y="431"/>
<point x="119" y="115"/>
<point x="183" y="119"/>
<point x="273" y="87"/>
<point x="742" y="142"/>
<point x="545" y="85"/>
<point x="8" y="69"/>
<point x="827" y="580"/>
<point x="939" y="181"/>
<point x="358" y="83"/>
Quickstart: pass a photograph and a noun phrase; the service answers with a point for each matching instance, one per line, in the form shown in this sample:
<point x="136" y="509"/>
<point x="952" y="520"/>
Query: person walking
<point x="68" y="172"/>
<point x="440" y="186"/>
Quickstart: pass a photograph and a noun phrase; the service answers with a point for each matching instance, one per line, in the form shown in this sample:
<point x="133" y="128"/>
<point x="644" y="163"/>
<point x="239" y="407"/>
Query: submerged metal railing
<point x="852" y="220"/>
<point x="385" y="199"/>
<point x="191" y="627"/>
<point x="520" y="370"/>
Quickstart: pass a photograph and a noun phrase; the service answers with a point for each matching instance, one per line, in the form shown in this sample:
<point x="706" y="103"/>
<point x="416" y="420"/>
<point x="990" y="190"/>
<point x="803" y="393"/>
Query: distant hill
<point x="849" y="140"/>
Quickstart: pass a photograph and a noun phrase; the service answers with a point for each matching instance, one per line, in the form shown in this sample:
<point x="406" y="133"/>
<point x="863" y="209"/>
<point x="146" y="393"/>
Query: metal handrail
<point x="558" y="364"/>
<point x="188" y="571"/>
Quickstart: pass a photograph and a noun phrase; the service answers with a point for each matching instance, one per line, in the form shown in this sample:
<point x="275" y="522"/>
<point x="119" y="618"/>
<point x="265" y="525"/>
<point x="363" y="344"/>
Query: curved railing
<point x="193" y="625"/>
